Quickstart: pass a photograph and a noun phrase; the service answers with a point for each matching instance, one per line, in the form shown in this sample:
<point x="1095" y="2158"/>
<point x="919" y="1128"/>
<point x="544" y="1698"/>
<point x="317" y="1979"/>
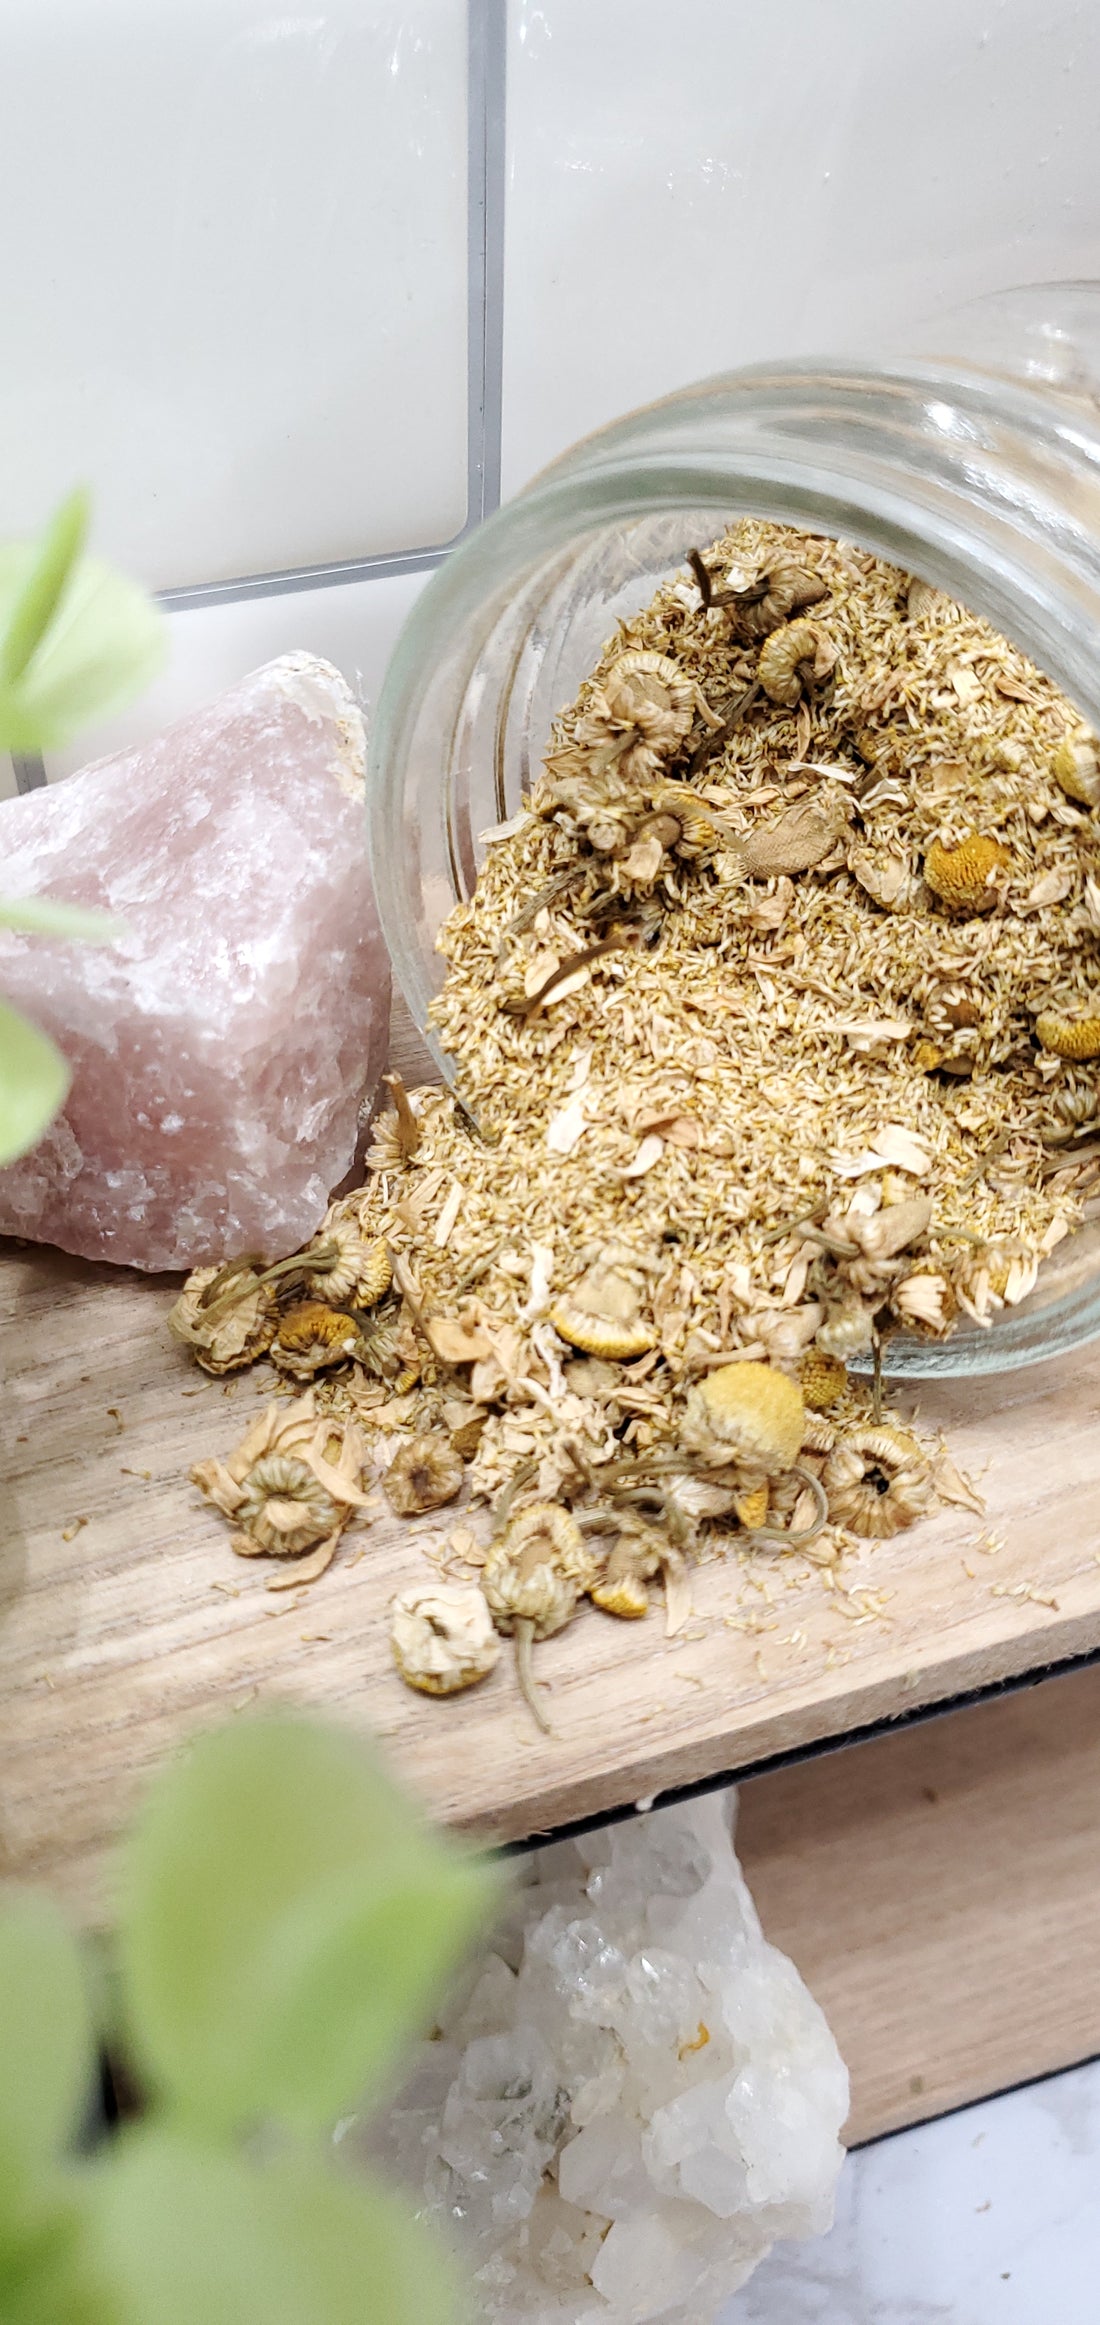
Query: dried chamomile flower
<point x="621" y="1589"/>
<point x="425" y="1472"/>
<point x="890" y="1229"/>
<point x="669" y="820"/>
<point x="969" y="878"/>
<point x="278" y="1429"/>
<point x="748" y="1413"/>
<point x="1076" y="767"/>
<point x="788" y="590"/>
<point x="1012" y="1275"/>
<point x="758" y="603"/>
<point x="877" y="1481"/>
<point x="311" y="1336"/>
<point x="950" y="1005"/>
<point x="395" y="1135"/>
<point x="284" y="1509"/>
<point x="442" y="1637"/>
<point x="925" y="1299"/>
<point x="822" y="1379"/>
<point x="600" y="1314"/>
<point x="534" y="1574"/>
<point x="385" y="1152"/>
<point x="793" y="660"/>
<point x="819" y="1434"/>
<point x="293" y="1481"/>
<point x="641" y="1552"/>
<point x="226" y="1316"/>
<point x="849" y="1327"/>
<point x="597" y="805"/>
<point x="388" y="1349"/>
<point x="691" y="824"/>
<point x="637" y="716"/>
<point x="990" y="1278"/>
<point x="349" y="1269"/>
<point x="1077" y="1100"/>
<point x="1066" y="1035"/>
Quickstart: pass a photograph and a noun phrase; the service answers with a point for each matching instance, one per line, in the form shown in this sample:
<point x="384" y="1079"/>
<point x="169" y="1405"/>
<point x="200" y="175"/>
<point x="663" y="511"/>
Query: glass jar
<point x="978" y="471"/>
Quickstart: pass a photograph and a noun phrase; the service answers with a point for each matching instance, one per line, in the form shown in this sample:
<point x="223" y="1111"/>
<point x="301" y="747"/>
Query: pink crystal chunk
<point x="222" y="1047"/>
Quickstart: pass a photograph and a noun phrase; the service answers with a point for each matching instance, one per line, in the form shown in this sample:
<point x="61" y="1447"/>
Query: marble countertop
<point x="990" y="2216"/>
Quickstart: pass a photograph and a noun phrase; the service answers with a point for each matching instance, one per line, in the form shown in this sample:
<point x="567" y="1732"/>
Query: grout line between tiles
<point x="487" y="79"/>
<point x="28" y="770"/>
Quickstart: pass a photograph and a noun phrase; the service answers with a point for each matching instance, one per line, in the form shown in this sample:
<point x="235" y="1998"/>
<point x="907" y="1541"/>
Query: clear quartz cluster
<point x="222" y="1044"/>
<point x="635" y="2096"/>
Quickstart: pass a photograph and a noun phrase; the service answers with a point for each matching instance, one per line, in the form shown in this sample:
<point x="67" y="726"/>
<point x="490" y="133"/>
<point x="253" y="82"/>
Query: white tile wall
<point x="717" y="182"/>
<point x="354" y="624"/>
<point x="236" y="293"/>
<point x="233" y="277"/>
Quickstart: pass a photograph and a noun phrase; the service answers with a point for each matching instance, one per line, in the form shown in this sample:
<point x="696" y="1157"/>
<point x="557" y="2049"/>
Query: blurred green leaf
<point x="46" y="2275"/>
<point x="286" y="1920"/>
<point x="37" y="598"/>
<point x="76" y="638"/>
<point x="46" y="2057"/>
<point x="34" y="1080"/>
<point x="43" y="916"/>
<point x="184" y="2235"/>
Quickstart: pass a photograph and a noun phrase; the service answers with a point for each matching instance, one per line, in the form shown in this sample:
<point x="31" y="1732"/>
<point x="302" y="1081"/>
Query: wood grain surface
<point x="120" y="1637"/>
<point x="940" y="1892"/>
<point x="939" y="1888"/>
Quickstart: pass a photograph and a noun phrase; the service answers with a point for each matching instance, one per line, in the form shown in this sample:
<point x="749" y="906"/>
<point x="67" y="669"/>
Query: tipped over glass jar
<point x="978" y="472"/>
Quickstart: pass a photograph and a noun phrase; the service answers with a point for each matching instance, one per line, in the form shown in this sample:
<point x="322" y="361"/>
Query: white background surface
<point x="989" y="2217"/>
<point x="233" y="276"/>
<point x="717" y="182"/>
<point x="234" y="289"/>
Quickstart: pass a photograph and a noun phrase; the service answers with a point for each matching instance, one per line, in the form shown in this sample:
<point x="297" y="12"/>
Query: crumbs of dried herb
<point x="775" y="1013"/>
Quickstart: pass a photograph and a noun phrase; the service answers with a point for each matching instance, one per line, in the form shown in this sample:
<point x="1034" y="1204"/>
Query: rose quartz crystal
<point x="222" y="1046"/>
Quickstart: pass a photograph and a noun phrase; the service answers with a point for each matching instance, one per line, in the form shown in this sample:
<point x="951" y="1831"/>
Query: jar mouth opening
<point x="985" y="488"/>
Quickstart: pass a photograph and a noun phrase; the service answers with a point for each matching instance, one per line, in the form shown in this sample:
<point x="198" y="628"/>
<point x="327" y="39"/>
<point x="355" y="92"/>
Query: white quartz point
<point x="222" y="1046"/>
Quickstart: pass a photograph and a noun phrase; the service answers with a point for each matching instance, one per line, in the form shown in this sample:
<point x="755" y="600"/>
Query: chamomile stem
<point x="525" y="1678"/>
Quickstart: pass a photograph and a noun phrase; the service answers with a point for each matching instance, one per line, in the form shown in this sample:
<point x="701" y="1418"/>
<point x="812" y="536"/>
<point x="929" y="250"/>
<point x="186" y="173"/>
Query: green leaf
<point x="104" y="641"/>
<point x="183" y="2235"/>
<point x="37" y="599"/>
<point x="43" y="916"/>
<point x="46" y="2277"/>
<point x="286" y="1922"/>
<point x="34" y="1081"/>
<point x="46" y="2056"/>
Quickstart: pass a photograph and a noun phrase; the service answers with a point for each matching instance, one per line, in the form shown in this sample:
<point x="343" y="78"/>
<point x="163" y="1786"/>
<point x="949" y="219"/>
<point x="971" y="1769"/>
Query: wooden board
<point x="940" y="1892"/>
<point x="117" y="1642"/>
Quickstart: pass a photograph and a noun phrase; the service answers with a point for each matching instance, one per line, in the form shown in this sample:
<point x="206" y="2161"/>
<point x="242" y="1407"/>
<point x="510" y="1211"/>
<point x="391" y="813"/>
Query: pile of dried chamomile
<point x="774" y="1017"/>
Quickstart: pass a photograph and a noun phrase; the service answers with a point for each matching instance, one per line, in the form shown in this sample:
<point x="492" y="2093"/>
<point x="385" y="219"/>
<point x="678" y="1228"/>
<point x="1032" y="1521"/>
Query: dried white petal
<point x="567" y="1127"/>
<point x="506" y="831"/>
<point x="649" y="1152"/>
